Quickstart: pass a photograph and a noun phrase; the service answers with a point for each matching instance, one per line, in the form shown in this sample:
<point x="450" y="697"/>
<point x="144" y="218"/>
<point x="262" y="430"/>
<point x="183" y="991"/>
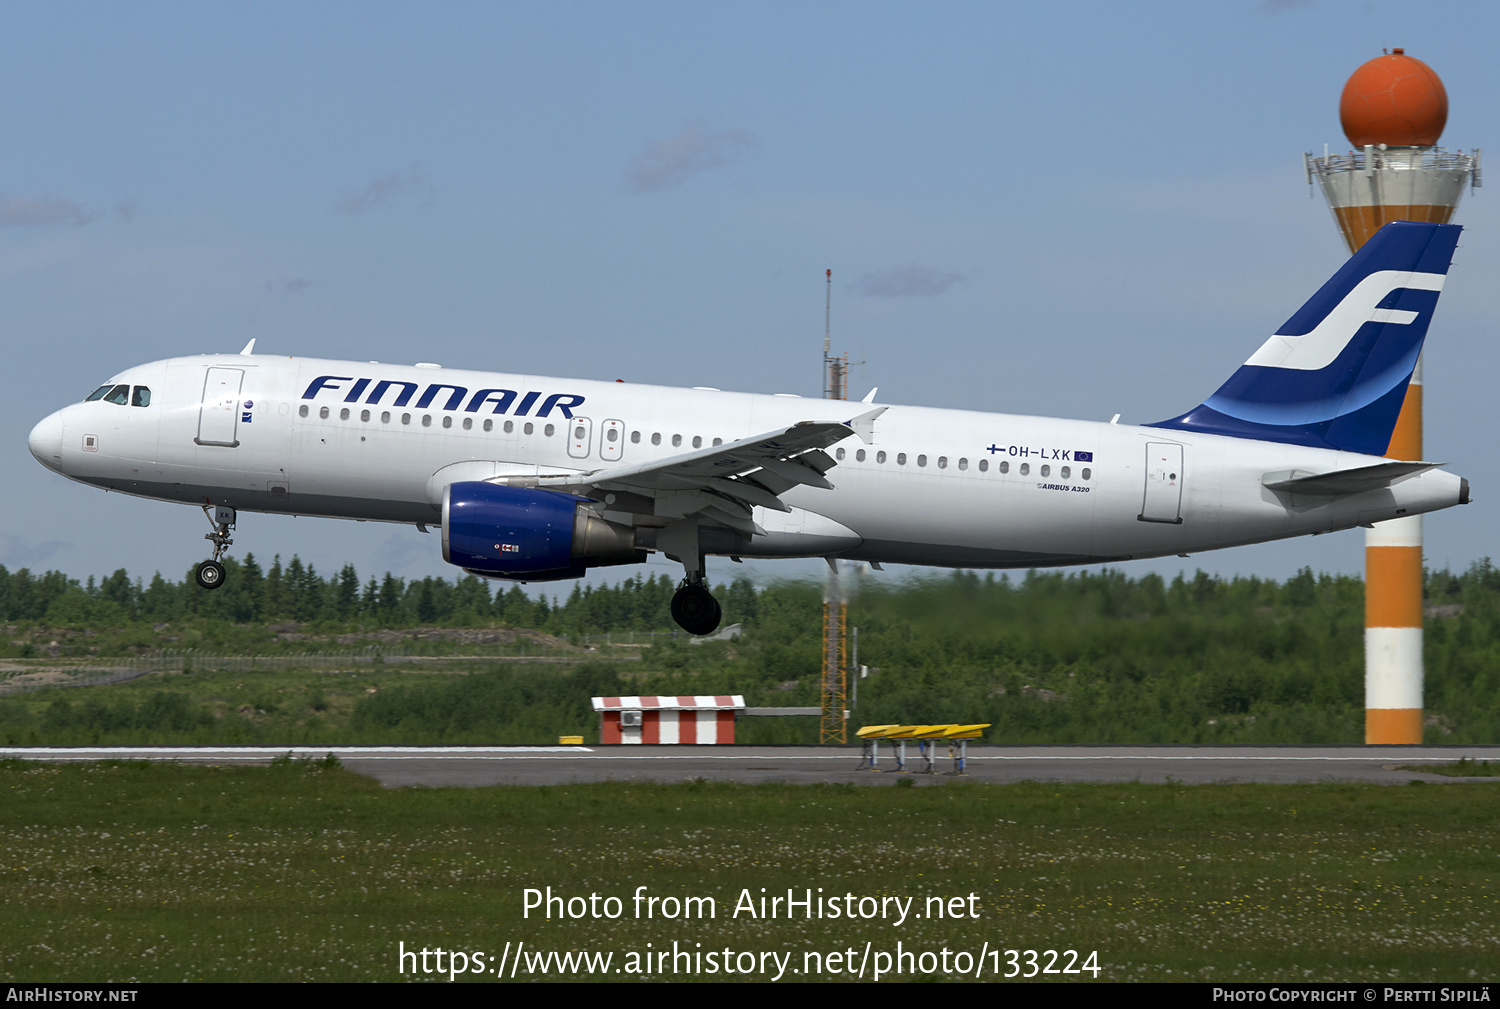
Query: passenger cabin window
<point x="697" y="441"/>
<point x="839" y="455"/>
<point x="302" y="410"/>
<point x="900" y="458"/>
<point x="880" y="457"/>
<point x="984" y="465"/>
<point x="510" y="426"/>
<point x="677" y="441"/>
<point x="141" y="396"/>
<point x="548" y="430"/>
<point x="635" y="437"/>
<point x="323" y="413"/>
<point x="859" y="456"/>
<point x="1025" y="468"/>
<point x="1004" y="465"/>
<point x="530" y="427"/>
<point x="656" y="438"/>
<point x="489" y="425"/>
<point x="344" y="413"/>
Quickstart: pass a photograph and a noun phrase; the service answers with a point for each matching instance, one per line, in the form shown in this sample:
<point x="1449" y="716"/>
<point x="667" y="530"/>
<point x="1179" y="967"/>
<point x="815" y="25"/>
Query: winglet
<point x="249" y="347"/>
<point x="870" y="396"/>
<point x="864" y="424"/>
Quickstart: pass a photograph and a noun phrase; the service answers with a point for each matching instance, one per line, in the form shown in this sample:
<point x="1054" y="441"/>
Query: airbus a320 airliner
<point x="536" y="479"/>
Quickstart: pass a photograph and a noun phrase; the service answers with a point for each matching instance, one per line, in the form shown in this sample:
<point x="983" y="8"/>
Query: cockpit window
<point x="119" y="394"/>
<point x="99" y="392"/>
<point x="141" y="396"/>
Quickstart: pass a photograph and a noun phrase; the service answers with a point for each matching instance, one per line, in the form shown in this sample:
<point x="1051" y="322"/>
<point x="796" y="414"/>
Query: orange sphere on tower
<point x="1394" y="100"/>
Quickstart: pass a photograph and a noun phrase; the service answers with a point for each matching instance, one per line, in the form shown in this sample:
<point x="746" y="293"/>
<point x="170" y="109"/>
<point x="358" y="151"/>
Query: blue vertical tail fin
<point x="1335" y="375"/>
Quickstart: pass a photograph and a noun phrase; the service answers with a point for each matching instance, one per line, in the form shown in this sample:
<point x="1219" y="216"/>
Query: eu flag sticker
<point x="1083" y="456"/>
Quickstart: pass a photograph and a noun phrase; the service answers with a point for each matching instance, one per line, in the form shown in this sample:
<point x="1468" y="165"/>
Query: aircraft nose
<point x="46" y="442"/>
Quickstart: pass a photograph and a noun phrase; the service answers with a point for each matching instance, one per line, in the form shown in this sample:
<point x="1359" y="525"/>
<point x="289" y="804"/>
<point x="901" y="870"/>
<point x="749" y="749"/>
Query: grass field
<point x="304" y="871"/>
<point x="1464" y="768"/>
<point x="279" y="706"/>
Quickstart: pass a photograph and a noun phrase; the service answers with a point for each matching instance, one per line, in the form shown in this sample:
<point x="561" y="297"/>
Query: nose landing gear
<point x="210" y="574"/>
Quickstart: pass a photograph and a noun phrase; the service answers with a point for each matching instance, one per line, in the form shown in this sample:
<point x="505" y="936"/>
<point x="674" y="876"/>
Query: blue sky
<point x="1069" y="209"/>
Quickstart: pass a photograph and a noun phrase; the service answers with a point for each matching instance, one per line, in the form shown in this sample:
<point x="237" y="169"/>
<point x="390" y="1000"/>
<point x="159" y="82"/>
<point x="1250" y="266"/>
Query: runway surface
<point x="396" y="766"/>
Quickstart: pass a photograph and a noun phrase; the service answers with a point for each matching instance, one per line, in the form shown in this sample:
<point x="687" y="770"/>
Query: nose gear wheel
<point x="210" y="574"/>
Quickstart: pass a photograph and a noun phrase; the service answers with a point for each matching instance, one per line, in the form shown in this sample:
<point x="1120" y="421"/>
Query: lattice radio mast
<point x="834" y="694"/>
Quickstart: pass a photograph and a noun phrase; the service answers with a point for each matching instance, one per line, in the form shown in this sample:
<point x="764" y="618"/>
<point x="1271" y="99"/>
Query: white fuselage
<point x="941" y="487"/>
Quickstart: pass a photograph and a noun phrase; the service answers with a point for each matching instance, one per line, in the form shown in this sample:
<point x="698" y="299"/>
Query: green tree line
<point x="1044" y="656"/>
<point x="296" y="591"/>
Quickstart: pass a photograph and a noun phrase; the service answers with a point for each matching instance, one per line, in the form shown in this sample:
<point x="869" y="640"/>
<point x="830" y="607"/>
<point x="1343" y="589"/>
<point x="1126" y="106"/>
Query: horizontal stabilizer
<point x="1346" y="481"/>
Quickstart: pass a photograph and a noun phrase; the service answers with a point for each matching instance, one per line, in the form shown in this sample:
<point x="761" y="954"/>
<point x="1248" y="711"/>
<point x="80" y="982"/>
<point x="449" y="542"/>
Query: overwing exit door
<point x="580" y="437"/>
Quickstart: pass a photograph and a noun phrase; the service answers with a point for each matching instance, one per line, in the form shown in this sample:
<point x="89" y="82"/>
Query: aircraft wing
<point x="725" y="482"/>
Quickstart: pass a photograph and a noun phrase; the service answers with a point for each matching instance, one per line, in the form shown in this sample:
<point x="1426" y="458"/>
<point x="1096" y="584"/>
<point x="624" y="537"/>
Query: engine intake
<point x="529" y="534"/>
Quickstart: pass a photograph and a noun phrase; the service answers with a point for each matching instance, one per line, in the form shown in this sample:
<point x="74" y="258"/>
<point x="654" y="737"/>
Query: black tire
<point x="696" y="610"/>
<point x="210" y="575"/>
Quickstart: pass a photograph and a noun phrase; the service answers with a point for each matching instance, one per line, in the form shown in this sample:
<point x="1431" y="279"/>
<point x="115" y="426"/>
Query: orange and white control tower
<point x="1393" y="110"/>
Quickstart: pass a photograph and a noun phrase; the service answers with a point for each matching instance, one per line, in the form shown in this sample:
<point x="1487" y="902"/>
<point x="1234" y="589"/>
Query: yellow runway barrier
<point x="927" y="736"/>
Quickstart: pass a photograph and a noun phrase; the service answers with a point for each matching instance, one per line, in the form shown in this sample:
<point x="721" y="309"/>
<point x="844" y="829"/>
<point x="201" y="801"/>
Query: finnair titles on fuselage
<point x="539" y="478"/>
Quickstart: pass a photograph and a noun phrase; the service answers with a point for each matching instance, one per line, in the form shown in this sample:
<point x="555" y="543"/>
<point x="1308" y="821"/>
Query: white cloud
<point x="665" y="164"/>
<point x="295" y="285"/>
<point x="387" y="189"/>
<point x="21" y="553"/>
<point x="24" y="212"/>
<point x="906" y="282"/>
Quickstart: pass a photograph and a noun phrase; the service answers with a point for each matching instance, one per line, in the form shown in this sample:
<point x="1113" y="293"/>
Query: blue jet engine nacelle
<point x="528" y="534"/>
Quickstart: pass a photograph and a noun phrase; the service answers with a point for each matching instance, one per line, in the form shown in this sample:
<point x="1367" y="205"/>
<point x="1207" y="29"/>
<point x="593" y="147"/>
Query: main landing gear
<point x="210" y="574"/>
<point x="694" y="607"/>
